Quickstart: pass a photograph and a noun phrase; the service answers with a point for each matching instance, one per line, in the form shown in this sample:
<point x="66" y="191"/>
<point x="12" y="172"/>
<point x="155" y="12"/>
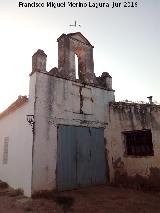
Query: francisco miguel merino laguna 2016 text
<point x="79" y="4"/>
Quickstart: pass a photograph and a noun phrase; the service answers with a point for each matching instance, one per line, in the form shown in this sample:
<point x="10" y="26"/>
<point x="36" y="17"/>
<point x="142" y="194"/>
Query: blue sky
<point x="126" y="44"/>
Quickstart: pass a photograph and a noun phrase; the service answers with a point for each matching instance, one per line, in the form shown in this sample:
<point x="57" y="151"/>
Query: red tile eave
<point x="14" y="106"/>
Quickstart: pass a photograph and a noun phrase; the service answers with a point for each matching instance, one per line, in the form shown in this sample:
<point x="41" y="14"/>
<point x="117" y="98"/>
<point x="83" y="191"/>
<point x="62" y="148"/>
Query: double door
<point x="81" y="159"/>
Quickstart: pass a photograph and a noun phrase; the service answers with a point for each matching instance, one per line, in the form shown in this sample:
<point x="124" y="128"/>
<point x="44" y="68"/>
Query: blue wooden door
<point x="98" y="158"/>
<point x="81" y="157"/>
<point x="66" y="162"/>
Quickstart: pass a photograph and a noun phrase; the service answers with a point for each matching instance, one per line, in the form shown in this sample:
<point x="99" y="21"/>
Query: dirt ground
<point x="99" y="199"/>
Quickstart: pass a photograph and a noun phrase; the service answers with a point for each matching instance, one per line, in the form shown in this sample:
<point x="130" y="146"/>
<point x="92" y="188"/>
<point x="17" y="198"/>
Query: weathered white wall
<point x="128" y="117"/>
<point x="18" y="171"/>
<point x="59" y="101"/>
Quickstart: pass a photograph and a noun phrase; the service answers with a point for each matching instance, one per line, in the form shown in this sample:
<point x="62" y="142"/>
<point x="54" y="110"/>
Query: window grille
<point x="138" y="143"/>
<point x="5" y="150"/>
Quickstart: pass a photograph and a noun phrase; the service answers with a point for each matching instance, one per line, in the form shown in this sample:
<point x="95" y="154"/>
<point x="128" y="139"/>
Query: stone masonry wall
<point x="139" y="171"/>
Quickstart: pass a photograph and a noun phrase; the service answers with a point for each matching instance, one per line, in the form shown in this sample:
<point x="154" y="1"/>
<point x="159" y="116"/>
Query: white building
<point x="69" y="132"/>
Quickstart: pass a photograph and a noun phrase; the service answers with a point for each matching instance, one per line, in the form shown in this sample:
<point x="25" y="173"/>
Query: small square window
<point x="138" y="143"/>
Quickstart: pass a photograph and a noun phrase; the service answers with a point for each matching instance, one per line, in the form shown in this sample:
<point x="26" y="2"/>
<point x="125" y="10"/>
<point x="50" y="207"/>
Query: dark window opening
<point x="138" y="143"/>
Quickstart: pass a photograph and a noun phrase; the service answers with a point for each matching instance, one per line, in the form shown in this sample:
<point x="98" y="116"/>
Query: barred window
<point x="138" y="143"/>
<point x="5" y="150"/>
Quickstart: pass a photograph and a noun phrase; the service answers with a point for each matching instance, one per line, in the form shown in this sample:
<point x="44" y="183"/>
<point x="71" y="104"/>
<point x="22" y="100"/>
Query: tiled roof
<point x="14" y="106"/>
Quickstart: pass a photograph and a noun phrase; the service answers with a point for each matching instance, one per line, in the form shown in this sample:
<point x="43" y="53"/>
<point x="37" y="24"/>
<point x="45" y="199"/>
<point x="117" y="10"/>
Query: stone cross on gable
<point x="75" y="24"/>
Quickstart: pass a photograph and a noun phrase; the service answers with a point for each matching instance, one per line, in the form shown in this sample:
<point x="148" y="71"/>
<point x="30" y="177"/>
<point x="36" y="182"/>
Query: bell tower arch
<point x="76" y="44"/>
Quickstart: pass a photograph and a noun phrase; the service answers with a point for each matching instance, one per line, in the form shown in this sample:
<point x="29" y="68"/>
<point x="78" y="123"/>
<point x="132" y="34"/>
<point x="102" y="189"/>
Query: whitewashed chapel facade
<point x="70" y="132"/>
